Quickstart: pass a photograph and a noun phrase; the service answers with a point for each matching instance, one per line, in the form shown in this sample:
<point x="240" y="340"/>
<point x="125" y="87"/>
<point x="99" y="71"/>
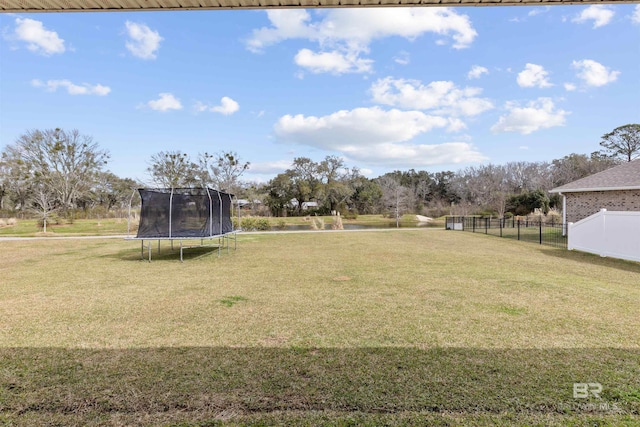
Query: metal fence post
<point x="474" y="224"/>
<point x="540" y="231"/>
<point x="518" y="229"/>
<point x="486" y="226"/>
<point x="501" y="219"/>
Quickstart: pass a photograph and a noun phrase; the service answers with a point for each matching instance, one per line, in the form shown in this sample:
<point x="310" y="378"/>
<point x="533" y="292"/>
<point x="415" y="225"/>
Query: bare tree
<point x="173" y="169"/>
<point x="67" y="160"/>
<point x="222" y="170"/>
<point x="575" y="166"/>
<point x="396" y="198"/>
<point x="43" y="201"/>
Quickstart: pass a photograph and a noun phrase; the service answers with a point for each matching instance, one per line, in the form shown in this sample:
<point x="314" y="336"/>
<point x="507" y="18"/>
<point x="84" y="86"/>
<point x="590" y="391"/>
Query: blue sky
<point x="389" y="88"/>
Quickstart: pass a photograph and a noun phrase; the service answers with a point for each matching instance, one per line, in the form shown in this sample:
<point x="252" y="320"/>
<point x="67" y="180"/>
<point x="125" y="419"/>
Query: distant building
<point x="305" y="205"/>
<point x="614" y="189"/>
<point x="248" y="204"/>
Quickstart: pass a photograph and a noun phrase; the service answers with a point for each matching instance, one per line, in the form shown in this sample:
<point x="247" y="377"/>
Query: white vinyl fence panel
<point x="613" y="234"/>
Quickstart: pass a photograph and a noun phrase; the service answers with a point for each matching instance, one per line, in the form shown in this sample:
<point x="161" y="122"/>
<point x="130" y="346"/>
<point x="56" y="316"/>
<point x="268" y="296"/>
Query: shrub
<point x="134" y="223"/>
<point x="317" y="223"/>
<point x="3" y="223"/>
<point x="248" y="223"/>
<point x="252" y="224"/>
<point x="262" y="224"/>
<point x="554" y="216"/>
<point x="53" y="219"/>
<point x="337" y="223"/>
<point x="282" y="224"/>
<point x="12" y="222"/>
<point x="352" y="214"/>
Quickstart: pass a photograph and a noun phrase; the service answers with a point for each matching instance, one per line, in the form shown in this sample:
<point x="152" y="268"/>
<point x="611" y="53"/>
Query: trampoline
<point x="184" y="214"/>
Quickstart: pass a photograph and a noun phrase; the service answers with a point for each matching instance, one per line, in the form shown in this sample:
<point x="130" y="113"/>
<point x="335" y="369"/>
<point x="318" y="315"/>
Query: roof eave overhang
<point x="584" y="190"/>
<point x="35" y="6"/>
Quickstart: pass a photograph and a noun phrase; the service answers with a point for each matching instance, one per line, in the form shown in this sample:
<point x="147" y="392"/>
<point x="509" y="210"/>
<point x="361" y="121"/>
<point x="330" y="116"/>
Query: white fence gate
<point x="614" y="234"/>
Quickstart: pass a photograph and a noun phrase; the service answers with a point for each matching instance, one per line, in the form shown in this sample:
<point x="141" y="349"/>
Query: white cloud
<point x="569" y="87"/>
<point x="366" y="172"/>
<point x="38" y="38"/>
<point x="143" y="41"/>
<point x="539" y="10"/>
<point x="376" y="136"/>
<point x="166" y="102"/>
<point x="333" y="62"/>
<point x="349" y="32"/>
<point x="361" y="26"/>
<point x="274" y="167"/>
<point x="476" y="72"/>
<point x="441" y="96"/>
<point x="227" y="107"/>
<point x="402" y="58"/>
<point x="539" y="114"/>
<point x="533" y="75"/>
<point x="593" y="73"/>
<point x="73" y="89"/>
<point x="600" y="15"/>
<point x="635" y="17"/>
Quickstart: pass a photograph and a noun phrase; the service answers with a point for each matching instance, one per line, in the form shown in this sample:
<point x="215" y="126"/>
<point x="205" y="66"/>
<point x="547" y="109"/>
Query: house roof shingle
<point x="21" y="6"/>
<point x="622" y="177"/>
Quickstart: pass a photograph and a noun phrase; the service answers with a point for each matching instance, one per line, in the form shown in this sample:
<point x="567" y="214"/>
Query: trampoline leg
<point x="149" y="249"/>
<point x="181" y="251"/>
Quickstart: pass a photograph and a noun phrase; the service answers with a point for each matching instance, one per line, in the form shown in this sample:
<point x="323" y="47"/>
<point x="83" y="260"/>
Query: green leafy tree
<point x="528" y="201"/>
<point x="305" y="181"/>
<point x="280" y="191"/>
<point x="113" y="192"/>
<point x="622" y="142"/>
<point x="367" y="195"/>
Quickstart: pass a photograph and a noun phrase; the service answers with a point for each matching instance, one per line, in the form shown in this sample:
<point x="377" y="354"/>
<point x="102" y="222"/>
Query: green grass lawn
<point x="413" y="327"/>
<point x="79" y="227"/>
<point x="116" y="226"/>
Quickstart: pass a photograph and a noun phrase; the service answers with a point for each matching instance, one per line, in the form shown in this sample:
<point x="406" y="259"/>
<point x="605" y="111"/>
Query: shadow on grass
<point x="592" y="259"/>
<point x="162" y="384"/>
<point x="166" y="253"/>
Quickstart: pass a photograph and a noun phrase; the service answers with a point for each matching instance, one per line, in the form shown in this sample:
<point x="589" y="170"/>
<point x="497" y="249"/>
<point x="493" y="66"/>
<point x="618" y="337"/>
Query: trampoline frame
<point x="224" y="239"/>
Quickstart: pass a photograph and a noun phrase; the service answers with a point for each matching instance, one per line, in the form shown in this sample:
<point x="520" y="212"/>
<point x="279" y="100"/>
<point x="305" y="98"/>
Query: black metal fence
<point x="536" y="231"/>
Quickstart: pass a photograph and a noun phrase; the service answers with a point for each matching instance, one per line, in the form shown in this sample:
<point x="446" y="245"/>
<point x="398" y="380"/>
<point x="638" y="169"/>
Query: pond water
<point x="307" y="227"/>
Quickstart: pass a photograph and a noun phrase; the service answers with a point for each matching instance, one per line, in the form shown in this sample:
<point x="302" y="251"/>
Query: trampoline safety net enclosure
<point x="184" y="213"/>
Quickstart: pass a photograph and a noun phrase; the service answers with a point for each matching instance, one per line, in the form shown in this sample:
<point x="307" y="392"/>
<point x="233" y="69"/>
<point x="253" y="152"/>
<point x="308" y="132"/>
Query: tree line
<point x="55" y="171"/>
